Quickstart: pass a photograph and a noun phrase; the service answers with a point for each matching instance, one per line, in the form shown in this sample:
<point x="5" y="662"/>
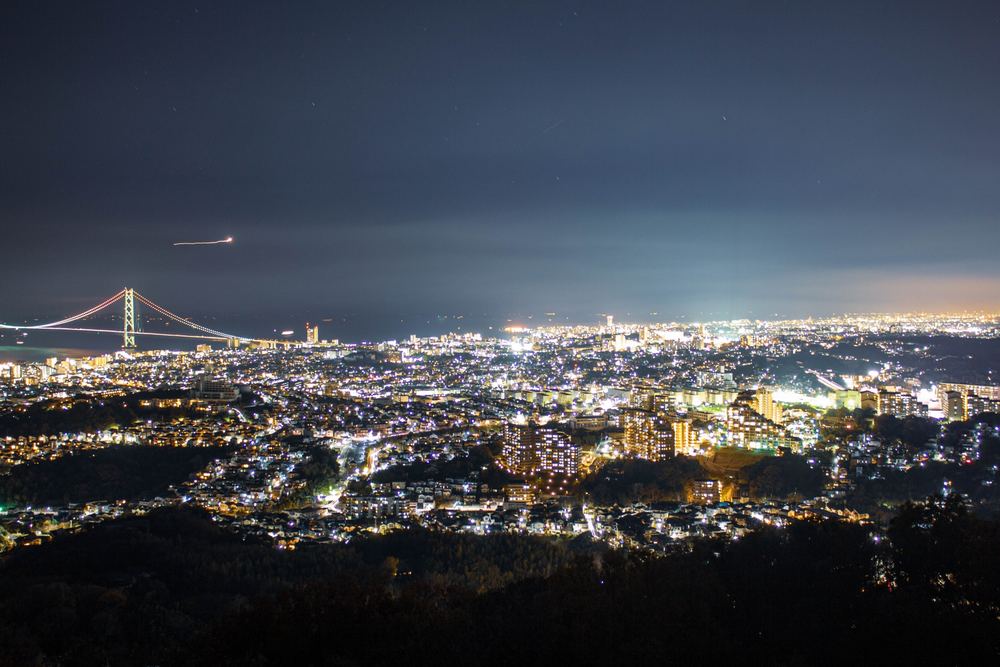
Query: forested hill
<point x="122" y="472"/>
<point x="173" y="588"/>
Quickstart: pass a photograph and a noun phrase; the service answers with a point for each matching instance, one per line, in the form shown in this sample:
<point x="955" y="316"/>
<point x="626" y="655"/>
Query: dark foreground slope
<point x="173" y="589"/>
<point x="139" y="590"/>
<point x="123" y="472"/>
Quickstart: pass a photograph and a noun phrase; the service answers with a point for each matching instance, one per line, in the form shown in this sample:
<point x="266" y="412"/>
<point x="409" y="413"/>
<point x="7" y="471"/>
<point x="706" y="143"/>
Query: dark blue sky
<point x="379" y="161"/>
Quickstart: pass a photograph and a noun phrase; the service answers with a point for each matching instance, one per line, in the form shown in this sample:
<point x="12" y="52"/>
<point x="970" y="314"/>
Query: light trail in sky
<point x="228" y="239"/>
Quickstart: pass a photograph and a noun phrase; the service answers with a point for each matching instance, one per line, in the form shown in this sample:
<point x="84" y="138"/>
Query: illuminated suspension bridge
<point x="128" y="297"/>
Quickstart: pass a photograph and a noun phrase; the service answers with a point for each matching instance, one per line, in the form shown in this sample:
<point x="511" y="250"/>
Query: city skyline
<point x="148" y="319"/>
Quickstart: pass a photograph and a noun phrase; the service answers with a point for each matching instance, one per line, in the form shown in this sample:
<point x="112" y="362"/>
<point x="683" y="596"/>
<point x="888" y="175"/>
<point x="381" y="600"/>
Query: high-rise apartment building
<point x="900" y="404"/>
<point x="763" y="403"/>
<point x="973" y="398"/>
<point x="530" y="449"/>
<point x="953" y="405"/>
<point x="991" y="392"/>
<point x="557" y="453"/>
<point x="748" y="429"/>
<point x="684" y="437"/>
<point x="647" y="435"/>
<point x="976" y="405"/>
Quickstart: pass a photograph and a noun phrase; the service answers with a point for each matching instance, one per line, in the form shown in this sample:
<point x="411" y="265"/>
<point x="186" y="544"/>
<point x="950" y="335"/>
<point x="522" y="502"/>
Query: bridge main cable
<point x="58" y="323"/>
<point x="181" y="320"/>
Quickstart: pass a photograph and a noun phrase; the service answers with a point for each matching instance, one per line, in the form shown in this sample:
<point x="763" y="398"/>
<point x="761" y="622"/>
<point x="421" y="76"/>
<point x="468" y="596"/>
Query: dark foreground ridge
<point x="124" y="472"/>
<point x="172" y="588"/>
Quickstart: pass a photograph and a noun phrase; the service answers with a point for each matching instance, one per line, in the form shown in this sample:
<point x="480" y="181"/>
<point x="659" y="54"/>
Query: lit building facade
<point x="961" y="401"/>
<point x="684" y="437"/>
<point x="953" y="405"/>
<point x="748" y="429"/>
<point x="900" y="404"/>
<point x="976" y="405"/>
<point x="530" y="449"/>
<point x="705" y="491"/>
<point x="763" y="403"/>
<point x="981" y="390"/>
<point x="647" y="435"/>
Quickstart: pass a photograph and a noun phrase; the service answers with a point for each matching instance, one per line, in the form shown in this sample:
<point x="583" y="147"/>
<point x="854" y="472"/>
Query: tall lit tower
<point x="128" y="331"/>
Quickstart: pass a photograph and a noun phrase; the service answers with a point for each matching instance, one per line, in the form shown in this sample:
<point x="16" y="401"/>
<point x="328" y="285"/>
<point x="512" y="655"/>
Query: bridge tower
<point x="128" y="338"/>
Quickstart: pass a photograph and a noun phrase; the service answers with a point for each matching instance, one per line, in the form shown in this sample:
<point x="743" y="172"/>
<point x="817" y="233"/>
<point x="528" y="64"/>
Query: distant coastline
<point x="24" y="353"/>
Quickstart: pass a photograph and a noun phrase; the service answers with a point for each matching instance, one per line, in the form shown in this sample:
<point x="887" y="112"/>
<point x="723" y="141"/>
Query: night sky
<point x="379" y="162"/>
